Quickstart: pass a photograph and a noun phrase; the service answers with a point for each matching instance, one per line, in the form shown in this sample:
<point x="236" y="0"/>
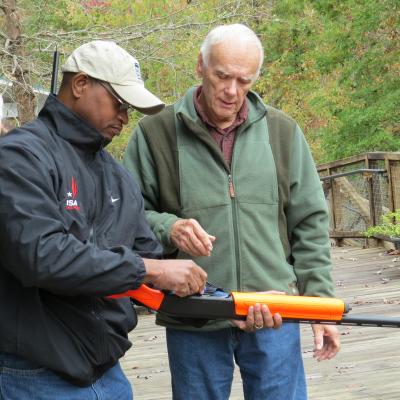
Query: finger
<point x="240" y="324"/>
<point x="197" y="278"/>
<point x="318" y="343"/>
<point x="198" y="245"/>
<point x="331" y="342"/>
<point x="332" y="348"/>
<point x="258" y="316"/>
<point x="184" y="290"/>
<point x="318" y="337"/>
<point x="268" y="320"/>
<point x="185" y="244"/>
<point x="200" y="278"/>
<point x="194" y="288"/>
<point x="190" y="237"/>
<point x="189" y="243"/>
<point x="205" y="239"/>
<point x="180" y="292"/>
<point x="212" y="239"/>
<point x="326" y="353"/>
<point x="333" y="353"/>
<point x="277" y="321"/>
<point x="196" y="285"/>
<point x="180" y="236"/>
<point x="250" y="319"/>
<point x="326" y="349"/>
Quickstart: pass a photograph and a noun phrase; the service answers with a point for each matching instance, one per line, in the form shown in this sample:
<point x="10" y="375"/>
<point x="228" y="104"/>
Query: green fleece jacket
<point x="272" y="232"/>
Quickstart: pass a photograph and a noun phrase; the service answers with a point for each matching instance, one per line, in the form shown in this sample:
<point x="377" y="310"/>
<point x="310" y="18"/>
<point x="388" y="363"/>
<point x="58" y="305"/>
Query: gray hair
<point x="236" y="33"/>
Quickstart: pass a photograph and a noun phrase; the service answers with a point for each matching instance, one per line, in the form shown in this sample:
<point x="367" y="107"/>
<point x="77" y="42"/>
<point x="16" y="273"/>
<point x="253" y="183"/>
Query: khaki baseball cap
<point x="106" y="61"/>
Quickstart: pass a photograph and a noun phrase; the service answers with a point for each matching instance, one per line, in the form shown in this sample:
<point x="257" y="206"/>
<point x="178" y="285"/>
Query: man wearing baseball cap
<point x="107" y="62"/>
<point x="73" y="232"/>
<point x="105" y="66"/>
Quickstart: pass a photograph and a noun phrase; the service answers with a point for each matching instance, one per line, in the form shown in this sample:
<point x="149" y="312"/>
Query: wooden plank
<point x="346" y="234"/>
<point x="367" y="367"/>
<point x="378" y="155"/>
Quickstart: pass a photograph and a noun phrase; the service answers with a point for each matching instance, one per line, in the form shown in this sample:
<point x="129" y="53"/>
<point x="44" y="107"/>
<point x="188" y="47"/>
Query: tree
<point x="331" y="65"/>
<point x="14" y="62"/>
<point x="334" y="66"/>
<point x="163" y="35"/>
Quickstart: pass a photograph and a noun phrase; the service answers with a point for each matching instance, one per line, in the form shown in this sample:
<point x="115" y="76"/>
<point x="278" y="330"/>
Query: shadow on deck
<point x="368" y="366"/>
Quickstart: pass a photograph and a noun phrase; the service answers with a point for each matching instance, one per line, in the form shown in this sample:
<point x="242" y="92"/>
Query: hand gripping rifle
<point x="217" y="304"/>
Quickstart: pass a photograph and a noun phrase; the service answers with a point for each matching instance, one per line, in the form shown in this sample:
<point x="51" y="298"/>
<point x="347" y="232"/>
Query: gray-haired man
<point x="231" y="182"/>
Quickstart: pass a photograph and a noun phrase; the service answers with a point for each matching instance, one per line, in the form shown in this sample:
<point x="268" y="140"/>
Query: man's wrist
<point x="154" y="270"/>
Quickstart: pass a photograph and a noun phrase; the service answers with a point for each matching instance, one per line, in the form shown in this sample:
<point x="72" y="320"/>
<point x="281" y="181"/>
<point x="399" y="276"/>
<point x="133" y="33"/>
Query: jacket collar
<point x="71" y="127"/>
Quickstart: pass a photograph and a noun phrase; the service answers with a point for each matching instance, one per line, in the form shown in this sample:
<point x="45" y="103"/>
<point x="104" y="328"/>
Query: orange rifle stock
<point x="235" y="305"/>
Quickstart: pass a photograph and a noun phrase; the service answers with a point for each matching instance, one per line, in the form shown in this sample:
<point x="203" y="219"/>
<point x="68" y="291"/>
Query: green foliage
<point x="332" y="65"/>
<point x="389" y="227"/>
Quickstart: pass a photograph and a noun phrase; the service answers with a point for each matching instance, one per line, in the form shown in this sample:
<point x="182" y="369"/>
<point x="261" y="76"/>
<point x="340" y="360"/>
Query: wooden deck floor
<point x="368" y="366"/>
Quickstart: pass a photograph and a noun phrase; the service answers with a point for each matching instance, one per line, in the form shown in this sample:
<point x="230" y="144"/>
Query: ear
<point x="200" y="66"/>
<point x="79" y="84"/>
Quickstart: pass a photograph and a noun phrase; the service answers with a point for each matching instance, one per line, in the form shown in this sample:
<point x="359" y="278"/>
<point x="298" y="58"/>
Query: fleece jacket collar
<point x="70" y="126"/>
<point x="185" y="108"/>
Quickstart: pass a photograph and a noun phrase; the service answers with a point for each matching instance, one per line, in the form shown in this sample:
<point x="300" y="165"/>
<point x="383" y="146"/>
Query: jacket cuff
<point x="140" y="272"/>
<point x="163" y="233"/>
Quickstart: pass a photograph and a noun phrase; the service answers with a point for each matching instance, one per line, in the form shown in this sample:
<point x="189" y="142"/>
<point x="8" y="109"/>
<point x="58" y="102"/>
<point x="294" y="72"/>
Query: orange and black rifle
<point x="218" y="304"/>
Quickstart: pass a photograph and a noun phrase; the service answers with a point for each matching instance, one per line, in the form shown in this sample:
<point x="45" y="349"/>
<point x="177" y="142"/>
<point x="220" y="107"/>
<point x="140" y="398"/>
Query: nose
<point x="231" y="87"/>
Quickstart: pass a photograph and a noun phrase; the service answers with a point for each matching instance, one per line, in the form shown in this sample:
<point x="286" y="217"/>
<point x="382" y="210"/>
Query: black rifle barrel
<point x="358" y="320"/>
<point x="54" y="74"/>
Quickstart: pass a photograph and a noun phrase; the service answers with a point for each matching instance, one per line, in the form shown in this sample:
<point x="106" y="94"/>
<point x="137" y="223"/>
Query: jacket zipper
<point x="93" y="240"/>
<point x="231" y="187"/>
<point x="236" y="249"/>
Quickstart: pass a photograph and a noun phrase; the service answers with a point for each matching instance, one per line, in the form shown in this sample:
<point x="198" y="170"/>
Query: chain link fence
<point x="356" y="199"/>
<point x="359" y="190"/>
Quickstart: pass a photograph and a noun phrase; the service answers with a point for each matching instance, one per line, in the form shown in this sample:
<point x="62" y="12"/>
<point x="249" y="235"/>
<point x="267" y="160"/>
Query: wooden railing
<point x="359" y="190"/>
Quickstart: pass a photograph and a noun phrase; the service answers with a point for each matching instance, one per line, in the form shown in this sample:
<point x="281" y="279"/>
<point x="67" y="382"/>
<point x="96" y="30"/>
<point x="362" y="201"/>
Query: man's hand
<point x="188" y="235"/>
<point x="326" y="341"/>
<point x="260" y="317"/>
<point x="184" y="277"/>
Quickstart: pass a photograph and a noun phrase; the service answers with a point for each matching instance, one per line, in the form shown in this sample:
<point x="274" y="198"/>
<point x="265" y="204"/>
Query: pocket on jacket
<point x="74" y="220"/>
<point x="254" y="173"/>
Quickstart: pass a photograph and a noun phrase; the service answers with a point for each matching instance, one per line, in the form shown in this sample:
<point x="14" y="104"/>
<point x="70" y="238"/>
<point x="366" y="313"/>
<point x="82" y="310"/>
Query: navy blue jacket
<point x="72" y="231"/>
